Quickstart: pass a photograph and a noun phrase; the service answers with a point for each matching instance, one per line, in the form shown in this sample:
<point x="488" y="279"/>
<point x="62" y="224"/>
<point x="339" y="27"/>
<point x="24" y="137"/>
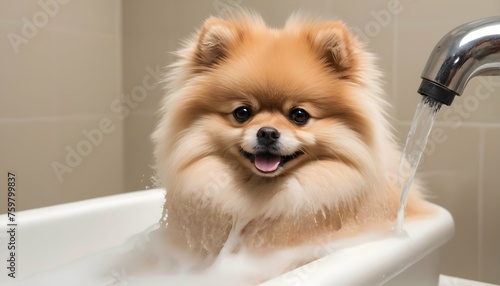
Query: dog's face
<point x="279" y="127"/>
<point x="269" y="144"/>
<point x="275" y="100"/>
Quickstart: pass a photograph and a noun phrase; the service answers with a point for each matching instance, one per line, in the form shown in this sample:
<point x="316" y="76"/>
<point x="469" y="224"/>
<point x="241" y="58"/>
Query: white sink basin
<point x="50" y="237"/>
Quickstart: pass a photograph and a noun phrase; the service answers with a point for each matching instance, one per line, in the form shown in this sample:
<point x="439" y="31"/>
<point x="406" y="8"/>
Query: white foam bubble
<point x="144" y="260"/>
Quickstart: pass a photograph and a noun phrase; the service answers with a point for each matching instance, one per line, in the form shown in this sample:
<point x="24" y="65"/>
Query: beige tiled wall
<point x="60" y="69"/>
<point x="459" y="169"/>
<point x="67" y="77"/>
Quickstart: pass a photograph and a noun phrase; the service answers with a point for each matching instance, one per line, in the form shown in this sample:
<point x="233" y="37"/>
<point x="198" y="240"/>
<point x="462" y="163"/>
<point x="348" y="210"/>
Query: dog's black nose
<point x="267" y="135"/>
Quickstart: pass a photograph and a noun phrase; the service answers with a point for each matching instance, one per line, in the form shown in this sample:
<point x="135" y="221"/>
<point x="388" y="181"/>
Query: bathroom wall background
<point x="60" y="70"/>
<point x="92" y="66"/>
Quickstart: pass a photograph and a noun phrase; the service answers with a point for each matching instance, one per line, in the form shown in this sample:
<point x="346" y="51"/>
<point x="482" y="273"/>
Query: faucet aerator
<point x="436" y="91"/>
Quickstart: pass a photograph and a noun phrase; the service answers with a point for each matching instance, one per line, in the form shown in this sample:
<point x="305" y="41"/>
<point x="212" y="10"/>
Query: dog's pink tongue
<point x="267" y="162"/>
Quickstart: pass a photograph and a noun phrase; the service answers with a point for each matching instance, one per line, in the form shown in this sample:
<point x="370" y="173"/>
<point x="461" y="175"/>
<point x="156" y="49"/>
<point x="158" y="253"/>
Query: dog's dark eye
<point x="299" y="116"/>
<point x="242" y="113"/>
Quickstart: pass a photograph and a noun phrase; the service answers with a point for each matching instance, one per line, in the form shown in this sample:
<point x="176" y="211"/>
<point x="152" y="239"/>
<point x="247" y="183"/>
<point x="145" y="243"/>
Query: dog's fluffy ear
<point x="215" y="39"/>
<point x="333" y="43"/>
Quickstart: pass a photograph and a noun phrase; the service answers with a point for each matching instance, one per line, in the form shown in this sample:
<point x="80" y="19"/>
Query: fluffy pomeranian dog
<point x="277" y="135"/>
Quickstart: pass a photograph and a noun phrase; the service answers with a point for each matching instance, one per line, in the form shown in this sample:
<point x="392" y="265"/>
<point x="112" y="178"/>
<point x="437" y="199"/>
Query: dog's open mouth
<point x="267" y="162"/>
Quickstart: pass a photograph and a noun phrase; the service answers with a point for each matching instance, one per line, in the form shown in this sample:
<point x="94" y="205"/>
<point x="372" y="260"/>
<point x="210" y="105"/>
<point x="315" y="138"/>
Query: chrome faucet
<point x="469" y="50"/>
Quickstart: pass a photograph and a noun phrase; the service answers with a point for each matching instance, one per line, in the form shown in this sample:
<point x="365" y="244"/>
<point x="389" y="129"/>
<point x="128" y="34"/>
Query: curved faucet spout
<point x="468" y="50"/>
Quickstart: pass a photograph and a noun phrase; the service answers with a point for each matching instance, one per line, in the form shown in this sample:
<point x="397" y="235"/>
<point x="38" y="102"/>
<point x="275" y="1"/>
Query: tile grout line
<point x="395" y="34"/>
<point x="482" y="141"/>
<point x="480" y="125"/>
<point x="53" y="118"/>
